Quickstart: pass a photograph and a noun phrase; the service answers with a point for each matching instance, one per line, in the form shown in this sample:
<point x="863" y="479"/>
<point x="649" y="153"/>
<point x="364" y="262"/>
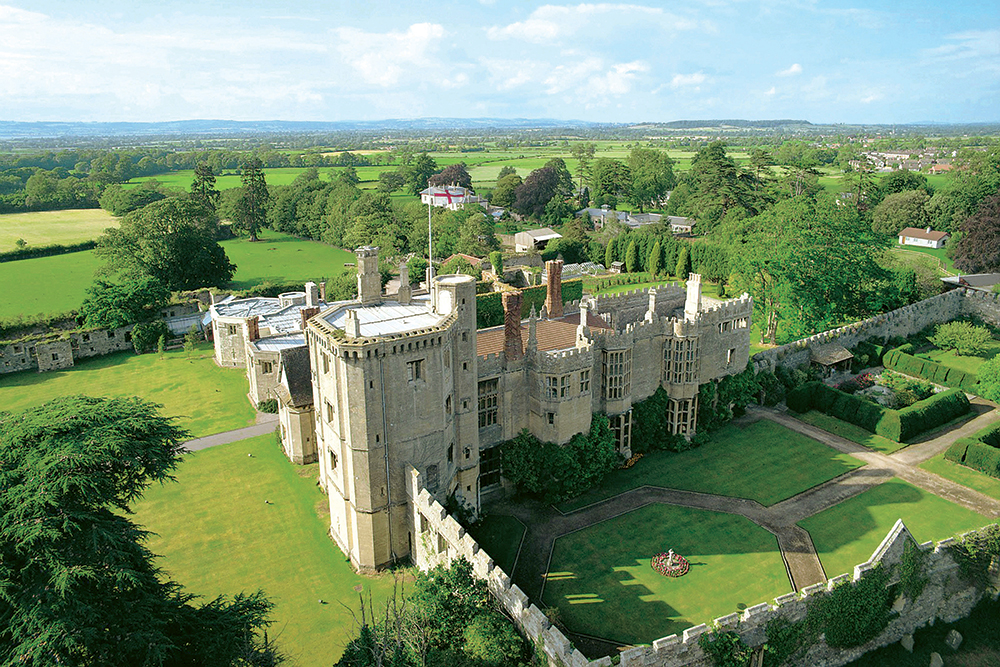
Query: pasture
<point x="217" y="536"/>
<point x="40" y="228"/>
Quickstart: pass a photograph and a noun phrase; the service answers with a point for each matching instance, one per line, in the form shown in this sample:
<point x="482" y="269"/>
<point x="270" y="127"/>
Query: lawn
<point x="280" y="258"/>
<point x="851" y="432"/>
<point x="849" y="533"/>
<point x="218" y="537"/>
<point x="57" y="284"/>
<point x="966" y="364"/>
<point x="938" y="255"/>
<point x="601" y="580"/>
<point x="500" y="537"/>
<point x="618" y="289"/>
<point x="40" y="228"/>
<point x="763" y="461"/>
<point x="46" y="284"/>
<point x="960" y="474"/>
<point x="206" y="399"/>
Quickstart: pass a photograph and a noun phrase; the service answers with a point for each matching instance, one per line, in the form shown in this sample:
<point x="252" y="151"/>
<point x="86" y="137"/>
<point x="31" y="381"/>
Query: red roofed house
<point x="924" y="238"/>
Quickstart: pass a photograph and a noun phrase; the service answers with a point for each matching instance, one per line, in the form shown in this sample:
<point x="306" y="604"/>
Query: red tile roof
<point x="550" y="334"/>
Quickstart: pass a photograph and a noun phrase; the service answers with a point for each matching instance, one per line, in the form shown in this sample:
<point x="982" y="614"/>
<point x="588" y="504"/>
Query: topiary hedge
<point x="46" y="251"/>
<point x="900" y="359"/>
<point x="980" y="451"/>
<point x="898" y="425"/>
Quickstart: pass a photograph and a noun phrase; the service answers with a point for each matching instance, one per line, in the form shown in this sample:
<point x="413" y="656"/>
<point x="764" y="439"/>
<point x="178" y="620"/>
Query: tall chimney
<point x="582" y="330"/>
<point x="312" y="294"/>
<point x="352" y="325"/>
<point x="306" y="313"/>
<point x="693" y="302"/>
<point x="512" y="347"/>
<point x="322" y="291"/>
<point x="369" y="279"/>
<point x="405" y="293"/>
<point x="253" y="328"/>
<point x="553" y="294"/>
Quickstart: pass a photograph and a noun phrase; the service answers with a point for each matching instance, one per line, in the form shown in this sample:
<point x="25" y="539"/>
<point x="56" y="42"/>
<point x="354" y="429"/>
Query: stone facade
<point x="58" y="351"/>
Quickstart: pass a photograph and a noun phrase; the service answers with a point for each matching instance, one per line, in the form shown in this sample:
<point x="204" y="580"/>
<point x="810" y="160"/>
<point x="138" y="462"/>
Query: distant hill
<point x="27" y="130"/>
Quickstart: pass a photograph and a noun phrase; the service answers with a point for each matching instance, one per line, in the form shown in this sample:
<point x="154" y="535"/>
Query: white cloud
<point x="981" y="47"/>
<point x="873" y="97"/>
<point x="10" y="14"/>
<point x="684" y="80"/>
<point x="383" y="58"/>
<point x="791" y="71"/>
<point x="551" y="23"/>
<point x="772" y="91"/>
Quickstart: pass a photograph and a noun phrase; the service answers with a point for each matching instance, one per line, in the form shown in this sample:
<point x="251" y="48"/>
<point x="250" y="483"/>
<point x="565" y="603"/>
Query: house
<point x="534" y="239"/>
<point x="453" y="197"/>
<point x="924" y="238"/>
<point x="601" y="216"/>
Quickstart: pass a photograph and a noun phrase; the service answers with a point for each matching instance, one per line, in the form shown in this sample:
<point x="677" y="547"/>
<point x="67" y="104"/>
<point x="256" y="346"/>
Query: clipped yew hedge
<point x="980" y="451"/>
<point x="489" y="307"/>
<point x="898" y="425"/>
<point x="900" y="359"/>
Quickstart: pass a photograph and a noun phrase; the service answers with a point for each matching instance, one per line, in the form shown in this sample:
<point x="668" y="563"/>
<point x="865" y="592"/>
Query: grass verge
<point x="500" y="536"/>
<point x="217" y="536"/>
<point x="849" y="533"/>
<point x="601" y="580"/>
<point x="205" y="399"/>
<point x="851" y="432"/>
<point x="763" y="461"/>
<point x="960" y="474"/>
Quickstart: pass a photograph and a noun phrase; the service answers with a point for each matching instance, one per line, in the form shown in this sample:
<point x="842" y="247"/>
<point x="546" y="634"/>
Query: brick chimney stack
<point x="306" y="313"/>
<point x="253" y="328"/>
<point x="553" y="295"/>
<point x="512" y="346"/>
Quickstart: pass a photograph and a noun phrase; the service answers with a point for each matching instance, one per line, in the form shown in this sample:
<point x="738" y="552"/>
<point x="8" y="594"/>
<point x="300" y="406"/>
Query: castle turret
<point x="693" y="302"/>
<point x="369" y="280"/>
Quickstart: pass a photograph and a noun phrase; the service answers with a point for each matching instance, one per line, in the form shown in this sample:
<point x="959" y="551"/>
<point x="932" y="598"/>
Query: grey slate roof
<point x="295" y="370"/>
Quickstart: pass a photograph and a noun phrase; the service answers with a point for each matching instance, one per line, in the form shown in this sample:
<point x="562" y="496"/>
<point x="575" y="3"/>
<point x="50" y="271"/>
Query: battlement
<point x="741" y="306"/>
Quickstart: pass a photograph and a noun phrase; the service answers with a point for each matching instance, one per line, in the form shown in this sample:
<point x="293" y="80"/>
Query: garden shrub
<point x="990" y="435"/>
<point x="964" y="337"/>
<point x="771" y="388"/>
<point x="900" y="359"/>
<point x="650" y="429"/>
<point x="930" y="413"/>
<point x="145" y="335"/>
<point x="983" y="458"/>
<point x="31" y="252"/>
<point x="956" y="453"/>
<point x="269" y="406"/>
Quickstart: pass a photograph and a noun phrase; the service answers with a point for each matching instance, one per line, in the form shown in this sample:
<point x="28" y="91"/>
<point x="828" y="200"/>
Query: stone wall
<point x="902" y="322"/>
<point x="438" y="539"/>
<point x="624" y="308"/>
<point x="57" y="351"/>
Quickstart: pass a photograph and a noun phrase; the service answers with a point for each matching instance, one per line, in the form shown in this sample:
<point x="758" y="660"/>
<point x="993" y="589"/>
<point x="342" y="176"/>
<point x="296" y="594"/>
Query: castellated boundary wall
<point x="902" y="322"/>
<point x="439" y="539"/>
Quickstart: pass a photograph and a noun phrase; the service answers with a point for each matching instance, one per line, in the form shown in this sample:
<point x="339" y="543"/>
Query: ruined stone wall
<point x="37" y="353"/>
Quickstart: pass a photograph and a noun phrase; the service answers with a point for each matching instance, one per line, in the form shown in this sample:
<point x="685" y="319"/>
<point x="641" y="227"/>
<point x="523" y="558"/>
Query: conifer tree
<point x="631" y="257"/>
<point x="683" y="264"/>
<point x="654" y="259"/>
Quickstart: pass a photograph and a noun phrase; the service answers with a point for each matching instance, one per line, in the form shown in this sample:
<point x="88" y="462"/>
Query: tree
<point x="110" y="306"/>
<point x="417" y="173"/>
<point x="476" y="236"/>
<point x="172" y="240"/>
<point x="900" y="210"/>
<point x="496" y="261"/>
<point x="683" y="264"/>
<point x="652" y="177"/>
<point x="565" y="187"/>
<point x="612" y="181"/>
<point x="538" y="189"/>
<point x="989" y="379"/>
<point x="390" y="181"/>
<point x="583" y="153"/>
<point x="964" y="338"/>
<point x="250" y="215"/>
<point x="631" y="258"/>
<point x="609" y="254"/>
<point x="77" y="584"/>
<point x="458" y="264"/>
<point x="717" y="186"/>
<point x="655" y="259"/>
<point x="506" y="170"/>
<point x="203" y="186"/>
<point x="978" y="251"/>
<point x="453" y="174"/>
<point x="504" y="192"/>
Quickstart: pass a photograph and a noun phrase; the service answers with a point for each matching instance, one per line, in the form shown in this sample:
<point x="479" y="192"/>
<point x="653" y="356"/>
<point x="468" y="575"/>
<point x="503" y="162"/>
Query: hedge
<point x="898" y="425"/>
<point x="983" y="458"/>
<point x="980" y="451"/>
<point x="45" y="251"/>
<point x="489" y="307"/>
<point x="956" y="453"/>
<point x="900" y="359"/>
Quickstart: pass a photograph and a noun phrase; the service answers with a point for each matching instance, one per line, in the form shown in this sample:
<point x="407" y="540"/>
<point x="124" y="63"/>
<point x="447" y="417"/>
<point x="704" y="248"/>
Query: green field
<point x="601" y="580"/>
<point x="849" y="533"/>
<point x="960" y="474"/>
<point x="40" y="228"/>
<point x="762" y="461"/>
<point x="205" y="399"/>
<point x="217" y="536"/>
<point x="58" y="284"/>
<point x="936" y="257"/>
<point x="850" y="432"/>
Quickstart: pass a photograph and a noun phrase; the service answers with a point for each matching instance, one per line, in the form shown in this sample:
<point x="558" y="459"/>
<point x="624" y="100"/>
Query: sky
<point x="836" y="61"/>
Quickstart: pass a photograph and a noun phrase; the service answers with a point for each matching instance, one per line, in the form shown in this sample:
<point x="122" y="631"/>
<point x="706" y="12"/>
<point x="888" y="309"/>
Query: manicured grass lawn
<point x="217" y="536"/>
<point x="206" y="399"/>
<point x="46" y="284"/>
<point x="618" y="289"/>
<point x="966" y="364"/>
<point x="960" y="474"/>
<point x="40" y="228"/>
<point x="938" y="254"/>
<point x="500" y="536"/>
<point x="849" y="533"/>
<point x="851" y="432"/>
<point x="763" y="461"/>
<point x="601" y="580"/>
<point x="280" y="258"/>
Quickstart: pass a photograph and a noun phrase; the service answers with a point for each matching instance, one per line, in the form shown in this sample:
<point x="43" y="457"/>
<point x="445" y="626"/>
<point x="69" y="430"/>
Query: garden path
<point x="918" y="453"/>
<point x="265" y="424"/>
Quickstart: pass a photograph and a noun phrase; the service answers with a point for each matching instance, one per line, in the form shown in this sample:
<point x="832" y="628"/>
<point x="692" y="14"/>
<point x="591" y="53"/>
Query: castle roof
<point x="551" y="335"/>
<point x="282" y="342"/>
<point x="296" y="388"/>
<point x="388" y="317"/>
<point x="273" y="313"/>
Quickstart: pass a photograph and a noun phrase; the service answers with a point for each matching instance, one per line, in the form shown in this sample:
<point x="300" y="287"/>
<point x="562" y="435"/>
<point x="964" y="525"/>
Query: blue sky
<point x="838" y="61"/>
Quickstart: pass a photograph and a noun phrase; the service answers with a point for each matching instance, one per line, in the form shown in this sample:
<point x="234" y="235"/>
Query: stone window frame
<point x="617" y="367"/>
<point x="489" y="467"/>
<point x="267" y="367"/>
<point x="415" y="370"/>
<point x="489" y="402"/>
<point x="584" y="381"/>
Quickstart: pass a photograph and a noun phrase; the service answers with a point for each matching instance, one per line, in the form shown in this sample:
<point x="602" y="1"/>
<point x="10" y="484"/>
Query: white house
<point x="924" y="238"/>
<point x="453" y="197"/>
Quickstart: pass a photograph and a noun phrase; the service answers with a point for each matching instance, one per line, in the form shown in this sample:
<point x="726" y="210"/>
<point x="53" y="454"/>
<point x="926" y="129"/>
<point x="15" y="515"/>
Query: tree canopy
<point x="978" y="251"/>
<point x="250" y="212"/>
<point x="77" y="584"/>
<point x="109" y="305"/>
<point x="172" y="240"/>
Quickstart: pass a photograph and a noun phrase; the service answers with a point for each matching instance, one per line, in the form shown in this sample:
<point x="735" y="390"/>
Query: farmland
<point x="40" y="228"/>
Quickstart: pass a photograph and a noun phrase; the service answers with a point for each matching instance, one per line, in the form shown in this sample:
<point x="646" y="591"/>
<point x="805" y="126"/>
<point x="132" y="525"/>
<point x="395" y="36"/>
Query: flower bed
<point x="670" y="564"/>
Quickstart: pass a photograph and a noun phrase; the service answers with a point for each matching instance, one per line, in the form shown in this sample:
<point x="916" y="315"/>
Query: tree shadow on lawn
<point x="603" y="583"/>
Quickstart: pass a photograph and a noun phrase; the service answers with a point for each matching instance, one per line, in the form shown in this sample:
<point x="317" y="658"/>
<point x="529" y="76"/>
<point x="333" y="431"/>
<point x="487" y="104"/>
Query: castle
<point x="380" y="385"/>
